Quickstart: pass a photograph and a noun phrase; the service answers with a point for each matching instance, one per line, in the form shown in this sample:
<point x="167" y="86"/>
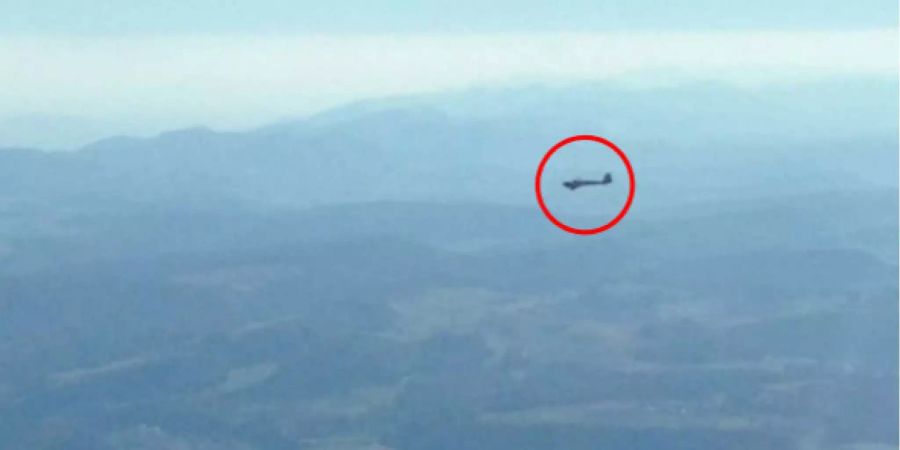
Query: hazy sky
<point x="372" y="16"/>
<point x="239" y="63"/>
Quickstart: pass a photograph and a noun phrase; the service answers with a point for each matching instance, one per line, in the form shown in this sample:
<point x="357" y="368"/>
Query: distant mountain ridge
<point x="447" y="149"/>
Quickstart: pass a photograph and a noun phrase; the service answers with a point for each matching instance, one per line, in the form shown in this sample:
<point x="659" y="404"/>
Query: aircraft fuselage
<point x="577" y="183"/>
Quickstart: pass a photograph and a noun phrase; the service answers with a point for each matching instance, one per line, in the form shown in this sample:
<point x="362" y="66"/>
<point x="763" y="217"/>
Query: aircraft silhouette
<point x="577" y="183"/>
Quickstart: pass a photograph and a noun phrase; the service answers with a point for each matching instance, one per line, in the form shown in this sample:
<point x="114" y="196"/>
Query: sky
<point x="142" y="67"/>
<point x="105" y="17"/>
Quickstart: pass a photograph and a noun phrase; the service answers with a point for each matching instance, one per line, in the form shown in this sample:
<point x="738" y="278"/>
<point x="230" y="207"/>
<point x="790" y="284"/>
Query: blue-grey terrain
<point x="379" y="277"/>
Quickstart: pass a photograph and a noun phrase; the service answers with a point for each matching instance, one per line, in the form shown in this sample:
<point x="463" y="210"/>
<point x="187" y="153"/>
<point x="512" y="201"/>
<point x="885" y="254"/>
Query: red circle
<point x="540" y="173"/>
